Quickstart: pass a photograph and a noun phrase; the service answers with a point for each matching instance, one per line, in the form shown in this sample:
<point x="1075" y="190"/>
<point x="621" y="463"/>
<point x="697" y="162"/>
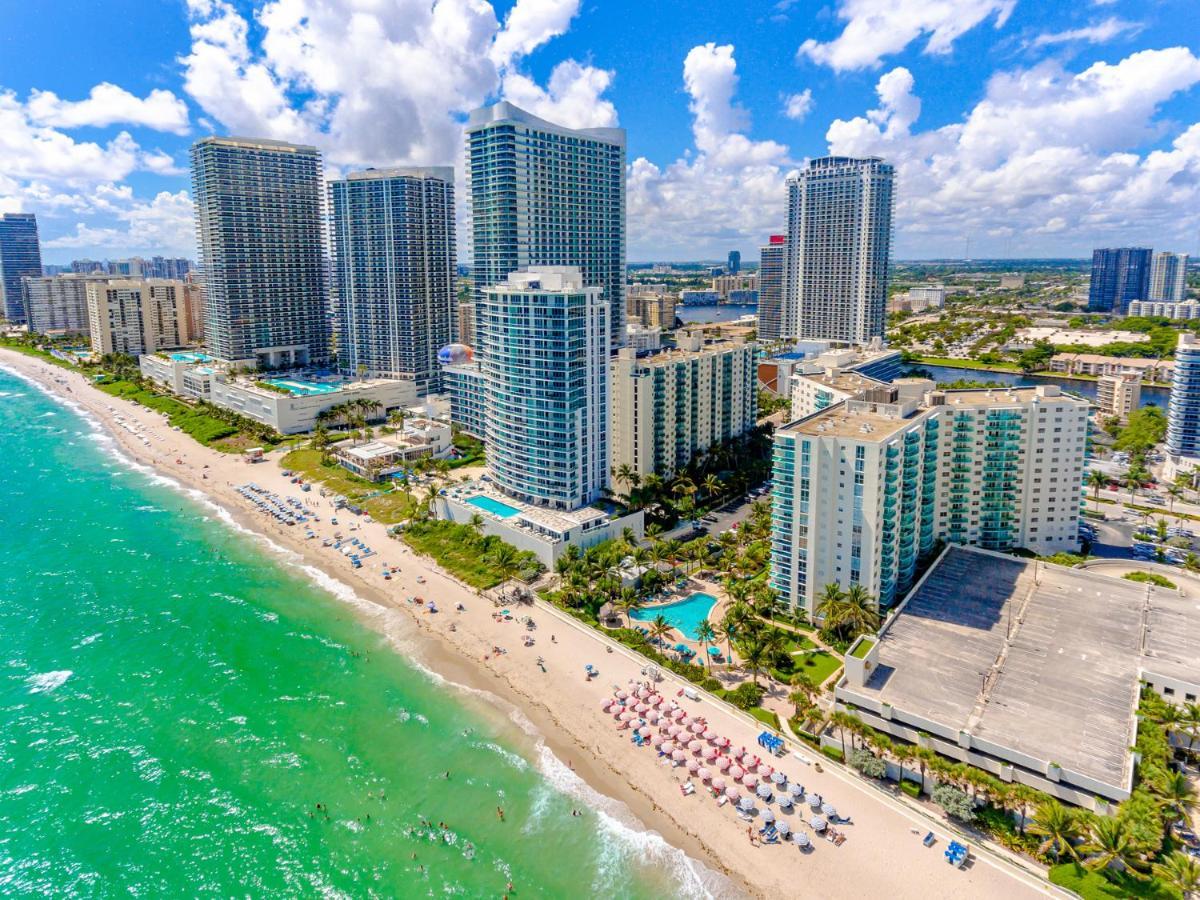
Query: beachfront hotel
<point x="541" y="390"/>
<point x="546" y="195"/>
<point x="259" y="230"/>
<point x="671" y="404"/>
<point x="865" y="489"/>
<point x="392" y="244"/>
<point x="836" y="257"/>
<point x="136" y="316"/>
<point x="57" y="304"/>
<point x="1027" y="670"/>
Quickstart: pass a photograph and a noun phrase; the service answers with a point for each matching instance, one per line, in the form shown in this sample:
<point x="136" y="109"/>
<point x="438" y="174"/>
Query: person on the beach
<point x="500" y="813"/>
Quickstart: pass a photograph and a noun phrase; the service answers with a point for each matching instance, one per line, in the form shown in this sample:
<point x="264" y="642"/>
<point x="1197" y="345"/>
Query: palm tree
<point x="829" y="604"/>
<point x="476" y="523"/>
<point x="754" y="657"/>
<point x="706" y="636"/>
<point x="659" y="628"/>
<point x="1177" y="794"/>
<point x="1181" y="872"/>
<point x="1097" y="481"/>
<point x="1109" y="843"/>
<point x="712" y="486"/>
<point x="1059" y="828"/>
<point x="727" y="631"/>
<point x="860" y="613"/>
<point x="1174" y="492"/>
<point x="844" y="722"/>
<point x="505" y="559"/>
<point x="627" y="602"/>
<point x="903" y="753"/>
<point x="1133" y="481"/>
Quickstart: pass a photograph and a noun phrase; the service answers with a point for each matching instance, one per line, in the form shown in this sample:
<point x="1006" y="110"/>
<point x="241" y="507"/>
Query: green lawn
<point x="818" y="666"/>
<point x="1094" y="886"/>
<point x="200" y="426"/>
<point x="307" y="462"/>
<point x="392" y="507"/>
<point x="765" y="716"/>
<point x="863" y="648"/>
<point x="955" y="363"/>
<point x="459" y="550"/>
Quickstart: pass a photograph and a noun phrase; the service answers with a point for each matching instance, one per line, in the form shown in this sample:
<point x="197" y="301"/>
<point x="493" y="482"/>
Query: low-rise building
<point x="926" y="296"/>
<point x="1012" y="282"/>
<point x="725" y="285"/>
<point x="874" y="361"/>
<point x="986" y="660"/>
<point x="388" y="454"/>
<point x="864" y="490"/>
<point x="699" y="298"/>
<point x="172" y="371"/>
<point x="1118" y="395"/>
<point x="293" y="404"/>
<point x="1095" y="364"/>
<point x="667" y="406"/>
<point x="1079" y="337"/>
<point x="1168" y="309"/>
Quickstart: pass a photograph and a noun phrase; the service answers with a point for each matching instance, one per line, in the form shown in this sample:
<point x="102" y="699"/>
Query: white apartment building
<point x="136" y="317"/>
<point x="865" y="489"/>
<point x="1118" y="395"/>
<point x="669" y="406"/>
<point x="925" y="296"/>
<point x="1168" y="276"/>
<point x="815" y="391"/>
<point x="57" y="304"/>
<point x="1170" y="309"/>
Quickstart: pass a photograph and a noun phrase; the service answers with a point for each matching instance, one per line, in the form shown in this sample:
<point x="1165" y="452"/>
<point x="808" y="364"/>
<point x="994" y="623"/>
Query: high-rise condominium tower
<point x="1183" y="414"/>
<point x="20" y="256"/>
<point x="770" y="288"/>
<point x="543" y="341"/>
<point x="393" y="272"/>
<point x="1168" y="276"/>
<point x="545" y="195"/>
<point x="258" y="226"/>
<point x="1119" y="275"/>
<point x="838" y="241"/>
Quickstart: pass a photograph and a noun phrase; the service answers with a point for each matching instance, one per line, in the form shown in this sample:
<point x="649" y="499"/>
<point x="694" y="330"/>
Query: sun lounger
<point x="928" y="840"/>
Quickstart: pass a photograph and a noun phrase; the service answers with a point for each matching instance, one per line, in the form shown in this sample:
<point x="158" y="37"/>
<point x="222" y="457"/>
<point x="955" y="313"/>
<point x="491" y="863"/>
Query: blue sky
<point x="1020" y="128"/>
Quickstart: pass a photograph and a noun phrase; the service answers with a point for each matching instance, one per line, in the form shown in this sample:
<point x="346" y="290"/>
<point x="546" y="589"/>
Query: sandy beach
<point x="882" y="853"/>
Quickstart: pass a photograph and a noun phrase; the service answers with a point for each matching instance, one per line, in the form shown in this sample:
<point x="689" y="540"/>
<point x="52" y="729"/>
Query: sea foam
<point x="47" y="681"/>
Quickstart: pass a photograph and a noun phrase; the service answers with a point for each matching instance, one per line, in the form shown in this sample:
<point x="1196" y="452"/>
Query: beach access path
<point x="883" y="853"/>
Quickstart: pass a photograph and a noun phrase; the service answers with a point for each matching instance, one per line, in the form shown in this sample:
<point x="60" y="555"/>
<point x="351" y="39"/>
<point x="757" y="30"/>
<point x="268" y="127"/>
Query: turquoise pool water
<point x="684" y="615"/>
<point x="184" y="356"/>
<point x="495" y="507"/>
<point x="301" y="387"/>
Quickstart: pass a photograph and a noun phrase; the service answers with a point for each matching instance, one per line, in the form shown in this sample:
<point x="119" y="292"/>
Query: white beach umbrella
<point x="723" y="763"/>
<point x="800" y="839"/>
<point x="668" y="746"/>
<point x="778" y="778"/>
<point x="748" y="780"/>
<point x="829" y="810"/>
<point x="658" y="740"/>
<point x="764" y="791"/>
<point x="817" y="823"/>
<point x="718" y="784"/>
<point x="693" y="766"/>
<point x="737" y="771"/>
<point x="694" y="746"/>
<point x="783" y="828"/>
<point x="704" y="773"/>
<point x="678" y="755"/>
<point x="767" y="815"/>
<point x="733" y="794"/>
<point x="797" y="791"/>
<point x="710" y="753"/>
<point x="697" y="727"/>
<point x="746" y="804"/>
<point x="645" y="731"/>
<point x="653" y="716"/>
<point x="710" y="735"/>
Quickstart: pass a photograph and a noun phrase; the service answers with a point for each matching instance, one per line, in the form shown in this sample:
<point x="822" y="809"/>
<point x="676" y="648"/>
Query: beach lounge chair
<point x="929" y="840"/>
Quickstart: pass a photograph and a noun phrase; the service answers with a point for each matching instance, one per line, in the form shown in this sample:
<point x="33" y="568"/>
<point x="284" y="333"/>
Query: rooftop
<point x="840" y="380"/>
<point x="846" y="420"/>
<point x="1040" y="659"/>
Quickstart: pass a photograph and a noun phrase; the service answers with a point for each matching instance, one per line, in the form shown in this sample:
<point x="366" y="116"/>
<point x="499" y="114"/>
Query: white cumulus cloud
<point x="878" y="28"/>
<point x="798" y="106"/>
<point x="1100" y="33"/>
<point x="108" y="104"/>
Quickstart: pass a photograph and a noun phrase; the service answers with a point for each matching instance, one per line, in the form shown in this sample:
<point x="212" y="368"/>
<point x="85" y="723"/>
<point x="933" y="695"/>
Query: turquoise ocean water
<point x="176" y="699"/>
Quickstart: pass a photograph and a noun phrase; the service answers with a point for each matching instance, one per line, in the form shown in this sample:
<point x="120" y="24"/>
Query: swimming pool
<point x="684" y="615"/>
<point x="303" y="388"/>
<point x="495" y="507"/>
<point x="190" y="356"/>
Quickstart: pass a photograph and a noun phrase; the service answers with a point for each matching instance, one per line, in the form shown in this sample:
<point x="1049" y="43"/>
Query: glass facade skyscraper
<point x="259" y="230"/>
<point x="1168" y="276"/>
<point x="393" y="259"/>
<point x="543" y="340"/>
<point x="545" y="195"/>
<point x="1183" y="411"/>
<point x="836" y="261"/>
<point x="770" y="288"/>
<point x="1119" y="275"/>
<point x="20" y="256"/>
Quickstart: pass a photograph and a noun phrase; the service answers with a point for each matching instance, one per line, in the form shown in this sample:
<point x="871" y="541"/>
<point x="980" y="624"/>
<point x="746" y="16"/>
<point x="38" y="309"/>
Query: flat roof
<point x="1041" y="659"/>
<point x="848" y="381"/>
<point x="844" y="420"/>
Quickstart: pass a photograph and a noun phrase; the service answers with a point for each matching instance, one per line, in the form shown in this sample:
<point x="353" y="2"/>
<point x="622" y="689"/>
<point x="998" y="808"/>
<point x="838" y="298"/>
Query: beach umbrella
<point x="627" y="717"/>
<point x="710" y="735"/>
<point x="817" y="823"/>
<point x="767" y="815"/>
<point x="678" y="713"/>
<point x="829" y="810"/>
<point x="678" y="755"/>
<point x="798" y="791"/>
<point x="746" y="804"/>
<point x="605" y="704"/>
<point x="653" y="716"/>
<point x="783" y="828"/>
<point x="723" y="763"/>
<point x="704" y="773"/>
<point x="694" y="746"/>
<point x="622" y="695"/>
<point x="764" y="791"/>
<point x="748" y="780"/>
<point x="800" y="839"/>
<point x="674" y="730"/>
<point x="814" y="800"/>
<point x="737" y="771"/>
<point x="697" y="727"/>
<point x="693" y="766"/>
<point x="643" y="693"/>
<point x="645" y="731"/>
<point x="733" y="794"/>
<point x="617" y="712"/>
<point x="710" y="753"/>
<point x="642" y="708"/>
<point x="785" y="801"/>
<point x="748" y="761"/>
<point x="778" y="777"/>
<point x="658" y="740"/>
<point x="719" y="784"/>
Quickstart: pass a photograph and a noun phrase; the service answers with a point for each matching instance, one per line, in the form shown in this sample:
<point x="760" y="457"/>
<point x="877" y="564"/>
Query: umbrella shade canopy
<point x="681" y="648"/>
<point x="785" y="801"/>
<point x="678" y="755"/>
<point x="710" y="753"/>
<point x="798" y="791"/>
<point x="674" y="730"/>
<point x="747" y="760"/>
<point x="622" y="695"/>
<point x="696" y="727"/>
<point x="605" y="704"/>
<point x="642" y="707"/>
<point x="829" y="810"/>
<point x="658" y="740"/>
<point x="737" y="771"/>
<point x="653" y="715"/>
<point x="668" y="746"/>
<point x="768" y="816"/>
<point x="783" y="827"/>
<point x="645" y="731"/>
<point x="764" y="791"/>
<point x="719" y="784"/>
<point x="778" y="777"/>
<point x="814" y="800"/>
<point x="723" y="764"/>
<point x="733" y="794"/>
<point x="643" y="693"/>
<point x="746" y="804"/>
<point x="678" y="714"/>
<point x="748" y="780"/>
<point x="817" y="823"/>
<point x="800" y="839"/>
<point x="704" y="773"/>
<point x="694" y="746"/>
<point x="693" y="765"/>
<point x="710" y="735"/>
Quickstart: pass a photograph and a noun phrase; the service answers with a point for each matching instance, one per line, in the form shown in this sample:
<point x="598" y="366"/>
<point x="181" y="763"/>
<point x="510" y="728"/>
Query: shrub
<point x="833" y="753"/>
<point x="956" y="803"/>
<point x="868" y="763"/>
<point x="747" y="695"/>
<point x="911" y="788"/>
<point x="1150" y="578"/>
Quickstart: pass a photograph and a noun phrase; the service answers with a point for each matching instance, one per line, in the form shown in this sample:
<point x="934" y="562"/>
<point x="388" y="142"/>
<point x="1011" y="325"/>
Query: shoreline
<point x="558" y="714"/>
<point x="962" y="365"/>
